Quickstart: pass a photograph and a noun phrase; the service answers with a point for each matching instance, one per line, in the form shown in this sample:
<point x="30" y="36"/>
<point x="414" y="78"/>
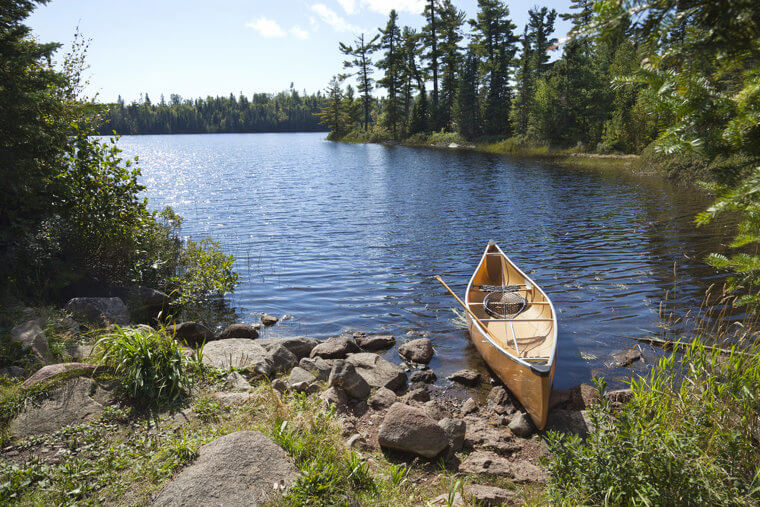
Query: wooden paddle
<point x="496" y="340"/>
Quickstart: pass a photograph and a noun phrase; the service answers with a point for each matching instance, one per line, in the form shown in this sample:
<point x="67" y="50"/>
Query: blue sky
<point x="198" y="48"/>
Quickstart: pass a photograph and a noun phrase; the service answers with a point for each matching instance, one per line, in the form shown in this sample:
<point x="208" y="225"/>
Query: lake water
<point x="348" y="237"/>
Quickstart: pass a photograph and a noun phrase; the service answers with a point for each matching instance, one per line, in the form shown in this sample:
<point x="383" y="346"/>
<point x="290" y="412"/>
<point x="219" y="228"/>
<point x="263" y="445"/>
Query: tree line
<point x="287" y="111"/>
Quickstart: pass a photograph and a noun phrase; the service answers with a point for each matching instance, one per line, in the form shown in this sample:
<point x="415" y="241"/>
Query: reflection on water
<point x="349" y="237"/>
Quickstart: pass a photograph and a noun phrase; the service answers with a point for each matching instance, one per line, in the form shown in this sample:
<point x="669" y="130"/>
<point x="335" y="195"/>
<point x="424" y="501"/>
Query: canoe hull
<point x="531" y="389"/>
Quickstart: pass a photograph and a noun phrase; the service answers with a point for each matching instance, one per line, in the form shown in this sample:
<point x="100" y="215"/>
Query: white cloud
<point x="266" y="27"/>
<point x="385" y="6"/>
<point x="331" y="18"/>
<point x="348" y="5"/>
<point x="299" y="32"/>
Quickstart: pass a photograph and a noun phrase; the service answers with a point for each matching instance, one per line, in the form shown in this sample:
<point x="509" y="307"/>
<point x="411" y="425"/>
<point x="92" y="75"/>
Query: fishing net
<point x="503" y="304"/>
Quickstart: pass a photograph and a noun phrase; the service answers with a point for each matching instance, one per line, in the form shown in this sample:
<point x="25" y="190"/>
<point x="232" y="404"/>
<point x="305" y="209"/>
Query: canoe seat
<point x="497" y="288"/>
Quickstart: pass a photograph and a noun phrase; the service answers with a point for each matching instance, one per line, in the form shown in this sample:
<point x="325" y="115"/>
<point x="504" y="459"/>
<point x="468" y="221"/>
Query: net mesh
<point x="504" y="304"/>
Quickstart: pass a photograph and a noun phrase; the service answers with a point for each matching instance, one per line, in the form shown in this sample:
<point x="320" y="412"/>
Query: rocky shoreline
<point x="400" y="411"/>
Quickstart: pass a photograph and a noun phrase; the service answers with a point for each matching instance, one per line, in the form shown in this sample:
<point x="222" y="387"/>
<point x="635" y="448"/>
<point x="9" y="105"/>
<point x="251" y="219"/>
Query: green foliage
<point x="204" y="273"/>
<point x="686" y="437"/>
<point x="149" y="363"/>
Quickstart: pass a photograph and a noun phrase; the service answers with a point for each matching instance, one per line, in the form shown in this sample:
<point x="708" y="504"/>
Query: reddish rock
<point x="409" y="429"/>
<point x="417" y="351"/>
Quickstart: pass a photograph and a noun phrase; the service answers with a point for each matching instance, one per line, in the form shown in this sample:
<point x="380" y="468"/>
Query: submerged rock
<point x="240" y="469"/>
<point x="466" y="377"/>
<point x="269" y="320"/>
<point x="626" y="357"/>
<point x="409" y="429"/>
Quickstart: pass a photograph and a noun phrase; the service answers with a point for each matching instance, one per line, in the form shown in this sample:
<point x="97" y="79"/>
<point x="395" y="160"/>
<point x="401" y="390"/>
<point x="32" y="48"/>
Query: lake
<point x="348" y="237"/>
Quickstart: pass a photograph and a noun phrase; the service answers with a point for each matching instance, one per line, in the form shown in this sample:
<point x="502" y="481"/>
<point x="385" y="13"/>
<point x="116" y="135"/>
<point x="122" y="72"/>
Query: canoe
<point x="521" y="343"/>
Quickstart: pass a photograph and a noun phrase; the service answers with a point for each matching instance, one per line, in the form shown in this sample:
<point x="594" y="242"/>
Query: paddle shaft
<point x="496" y="340"/>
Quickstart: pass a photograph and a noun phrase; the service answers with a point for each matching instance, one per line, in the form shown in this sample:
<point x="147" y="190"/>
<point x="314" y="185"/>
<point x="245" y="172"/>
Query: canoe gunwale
<point x="542" y="370"/>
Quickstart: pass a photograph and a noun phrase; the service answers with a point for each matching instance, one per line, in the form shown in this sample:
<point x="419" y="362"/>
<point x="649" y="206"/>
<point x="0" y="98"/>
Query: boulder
<point x="335" y="348"/>
<point x="238" y="353"/>
<point x="238" y="382"/>
<point x="522" y="425"/>
<point x="499" y="401"/>
<point x="409" y="429"/>
<point x="377" y="371"/>
<point x="466" y="377"/>
<point x="418" y="351"/>
<point x="47" y="373"/>
<point x="469" y="407"/>
<point x="482" y="433"/>
<point x="318" y="367"/>
<point x="424" y="376"/>
<point x="239" y="331"/>
<point x="345" y="376"/>
<point x="74" y="402"/>
<point x="335" y="396"/>
<point x="31" y="337"/>
<point x="455" y="430"/>
<point x="281" y="358"/>
<point x="299" y="375"/>
<point x="491" y="495"/>
<point x="383" y="398"/>
<point x="99" y="311"/>
<point x="487" y="462"/>
<point x="192" y="333"/>
<point x="240" y="469"/>
<point x="374" y="341"/>
<point x="300" y="346"/>
<point x="269" y="320"/>
<point x="420" y="394"/>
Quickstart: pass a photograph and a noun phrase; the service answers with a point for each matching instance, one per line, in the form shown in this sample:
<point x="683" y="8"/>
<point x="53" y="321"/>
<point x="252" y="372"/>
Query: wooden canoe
<point x="522" y="349"/>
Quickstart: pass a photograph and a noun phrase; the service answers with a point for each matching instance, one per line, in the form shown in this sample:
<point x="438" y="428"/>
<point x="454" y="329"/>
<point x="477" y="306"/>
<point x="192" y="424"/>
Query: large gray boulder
<point x="335" y="348"/>
<point x="49" y="372"/>
<point x="99" y="311"/>
<point x="345" y="376"/>
<point x="76" y="401"/>
<point x="377" y="371"/>
<point x="31" y="337"/>
<point x="409" y="429"/>
<point x="317" y="366"/>
<point x="192" y="333"/>
<point x="237" y="353"/>
<point x="417" y="351"/>
<point x="240" y="469"/>
<point x="300" y="346"/>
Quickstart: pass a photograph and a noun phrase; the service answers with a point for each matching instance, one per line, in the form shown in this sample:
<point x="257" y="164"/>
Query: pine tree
<point x="333" y="114"/>
<point x="430" y="33"/>
<point x="361" y="60"/>
<point x="467" y="109"/>
<point x="411" y="75"/>
<point x="451" y="21"/>
<point x="493" y="40"/>
<point x="392" y="62"/>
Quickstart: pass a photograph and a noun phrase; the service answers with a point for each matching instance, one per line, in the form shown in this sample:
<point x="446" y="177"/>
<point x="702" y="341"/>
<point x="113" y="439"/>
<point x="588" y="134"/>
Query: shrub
<point x="149" y="363"/>
<point x="686" y="437"/>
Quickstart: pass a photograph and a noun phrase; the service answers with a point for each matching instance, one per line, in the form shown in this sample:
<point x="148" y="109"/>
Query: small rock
<point x="236" y="469"/>
<point x="237" y="381"/>
<point x="281" y="358"/>
<point x="314" y="388"/>
<point x="300" y="387"/>
<point x="279" y="385"/>
<point x="499" y="401"/>
<point x="445" y="500"/>
<point x="374" y="342"/>
<point x="420" y="394"/>
<point x="345" y="376"/>
<point x="425" y="376"/>
<point x="335" y="348"/>
<point x="99" y="311"/>
<point x="356" y="440"/>
<point x="455" y="430"/>
<point x="239" y="331"/>
<point x="78" y="352"/>
<point x="434" y="410"/>
<point x="317" y="366"/>
<point x="383" y="398"/>
<point x="627" y="357"/>
<point x="228" y="398"/>
<point x="482" y="433"/>
<point x="490" y="495"/>
<point x="418" y="351"/>
<point x="619" y="395"/>
<point x="298" y="375"/>
<point x="13" y="372"/>
<point x="487" y="462"/>
<point x="466" y="377"/>
<point x="269" y="320"/>
<point x="47" y="373"/>
<point x="192" y="333"/>
<point x="31" y="337"/>
<point x="335" y="396"/>
<point x="300" y="346"/>
<point x="522" y="426"/>
<point x="377" y="371"/>
<point x="470" y="406"/>
<point x="409" y="429"/>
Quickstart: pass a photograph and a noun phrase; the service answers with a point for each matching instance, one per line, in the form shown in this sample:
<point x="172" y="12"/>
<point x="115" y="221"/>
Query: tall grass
<point x="689" y="435"/>
<point x="149" y="363"/>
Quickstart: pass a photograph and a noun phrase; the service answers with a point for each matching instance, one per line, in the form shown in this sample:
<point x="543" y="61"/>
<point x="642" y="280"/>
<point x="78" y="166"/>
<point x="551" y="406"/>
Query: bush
<point x="686" y="437"/>
<point x="149" y="363"/>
